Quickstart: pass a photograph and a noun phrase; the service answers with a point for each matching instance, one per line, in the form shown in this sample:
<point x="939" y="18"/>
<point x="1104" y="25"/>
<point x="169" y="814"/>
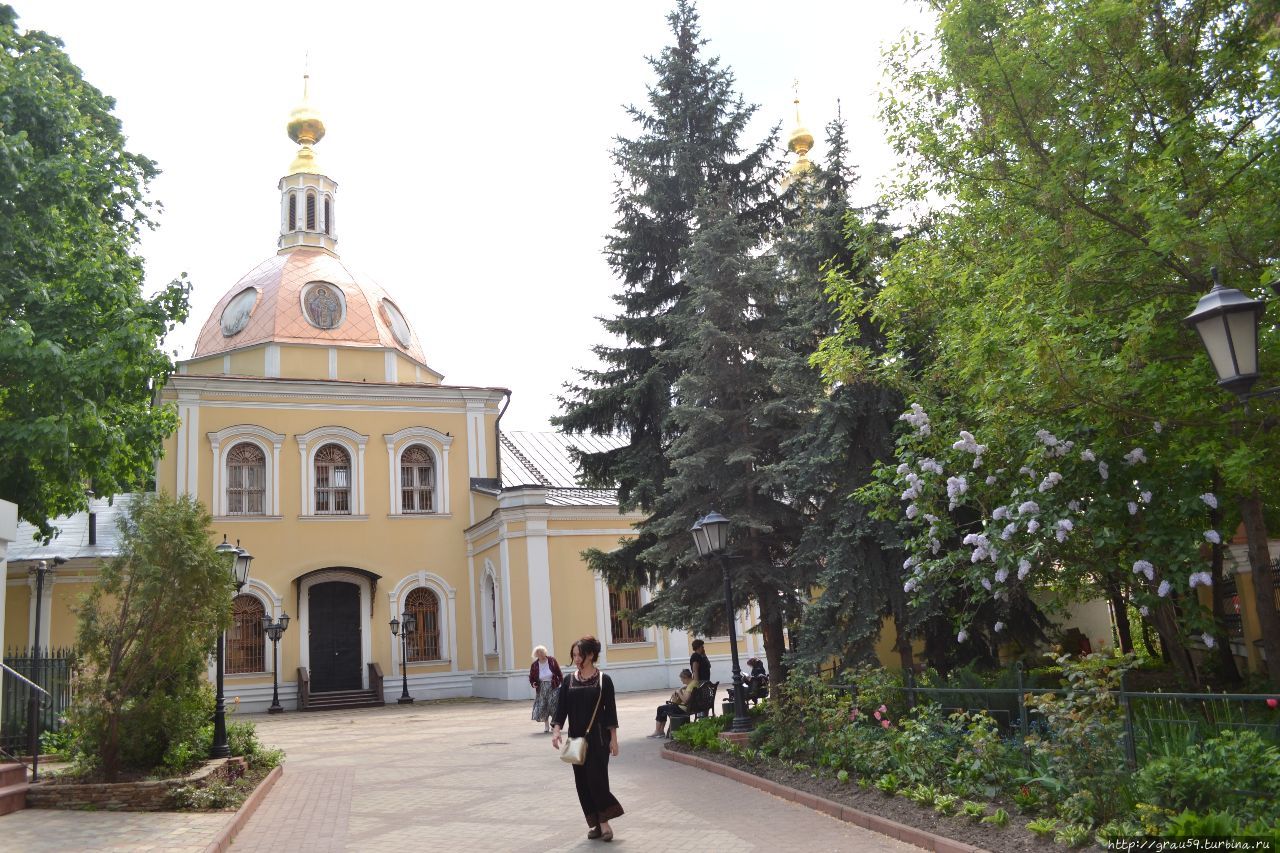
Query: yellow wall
<point x="305" y="361"/>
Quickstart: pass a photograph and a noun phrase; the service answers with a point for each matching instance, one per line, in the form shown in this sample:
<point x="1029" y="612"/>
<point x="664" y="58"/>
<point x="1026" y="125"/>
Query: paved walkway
<point x="465" y="775"/>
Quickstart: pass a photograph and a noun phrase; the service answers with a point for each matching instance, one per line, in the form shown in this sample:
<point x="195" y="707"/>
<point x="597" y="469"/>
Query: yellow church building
<point x="365" y="488"/>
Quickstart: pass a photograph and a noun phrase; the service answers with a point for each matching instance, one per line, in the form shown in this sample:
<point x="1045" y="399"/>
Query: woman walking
<point x="586" y="701"/>
<point x="544" y="678"/>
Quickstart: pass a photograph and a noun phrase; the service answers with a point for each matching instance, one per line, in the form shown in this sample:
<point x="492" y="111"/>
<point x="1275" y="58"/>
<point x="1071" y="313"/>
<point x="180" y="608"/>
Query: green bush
<point x="704" y="734"/>
<point x="1236" y="772"/>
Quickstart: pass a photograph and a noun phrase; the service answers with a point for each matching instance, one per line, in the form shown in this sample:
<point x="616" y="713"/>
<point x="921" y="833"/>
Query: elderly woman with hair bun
<point x="586" y="702"/>
<point x="544" y="678"/>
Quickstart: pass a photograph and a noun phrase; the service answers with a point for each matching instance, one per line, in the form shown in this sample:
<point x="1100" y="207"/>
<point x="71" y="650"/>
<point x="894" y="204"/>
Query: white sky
<point x="470" y="144"/>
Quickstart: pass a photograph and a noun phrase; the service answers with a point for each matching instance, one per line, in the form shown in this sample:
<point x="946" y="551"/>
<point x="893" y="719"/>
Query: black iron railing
<point x="52" y="673"/>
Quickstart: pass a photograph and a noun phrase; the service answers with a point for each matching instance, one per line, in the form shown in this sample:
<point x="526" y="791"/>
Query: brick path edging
<point x="875" y="823"/>
<point x="222" y="842"/>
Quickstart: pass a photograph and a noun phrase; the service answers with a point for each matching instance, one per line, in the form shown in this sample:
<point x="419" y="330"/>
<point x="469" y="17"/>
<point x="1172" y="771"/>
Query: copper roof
<point x="277" y="316"/>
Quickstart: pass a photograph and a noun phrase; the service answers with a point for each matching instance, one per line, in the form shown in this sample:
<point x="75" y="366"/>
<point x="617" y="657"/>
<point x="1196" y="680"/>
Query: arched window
<point x="311" y="211"/>
<point x="246" y="642"/>
<point x="489" y="601"/>
<point x="327" y="229"/>
<point x="333" y="481"/>
<point x="246" y="479"/>
<point x="424" y="642"/>
<point x="293" y="212"/>
<point x="622" y="605"/>
<point x="417" y="480"/>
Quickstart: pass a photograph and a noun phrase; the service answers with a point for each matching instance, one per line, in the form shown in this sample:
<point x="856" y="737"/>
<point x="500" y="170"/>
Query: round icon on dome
<point x="399" y="326"/>
<point x="236" y="315"/>
<point x="324" y="305"/>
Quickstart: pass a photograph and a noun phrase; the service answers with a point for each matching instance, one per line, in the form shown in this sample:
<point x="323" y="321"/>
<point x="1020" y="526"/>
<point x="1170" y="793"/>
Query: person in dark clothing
<point x="580" y="694"/>
<point x="699" y="663"/>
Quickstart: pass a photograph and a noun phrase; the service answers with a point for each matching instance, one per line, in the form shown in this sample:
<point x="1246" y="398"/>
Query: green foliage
<point x="999" y="817"/>
<point x="704" y="734"/>
<point x="973" y="811"/>
<point x="946" y="804"/>
<point x="842" y="776"/>
<point x="145" y="631"/>
<point x="59" y="741"/>
<point x="921" y="794"/>
<point x="1028" y="799"/>
<point x="1073" y="835"/>
<point x="887" y="784"/>
<point x="80" y="353"/>
<point x="214" y="795"/>
<point x="1236" y="772"/>
<point x="1043" y="826"/>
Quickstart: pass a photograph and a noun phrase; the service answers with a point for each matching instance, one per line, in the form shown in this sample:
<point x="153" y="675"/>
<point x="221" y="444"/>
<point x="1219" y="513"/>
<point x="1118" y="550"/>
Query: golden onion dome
<point x="305" y="128"/>
<point x="801" y="141"/>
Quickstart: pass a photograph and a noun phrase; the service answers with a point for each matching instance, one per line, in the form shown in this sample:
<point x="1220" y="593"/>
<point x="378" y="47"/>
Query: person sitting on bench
<point x="677" y="705"/>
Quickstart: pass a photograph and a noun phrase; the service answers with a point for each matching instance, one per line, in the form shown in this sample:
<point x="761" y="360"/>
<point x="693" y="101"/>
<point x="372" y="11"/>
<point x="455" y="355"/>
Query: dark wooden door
<point x="334" y="617"/>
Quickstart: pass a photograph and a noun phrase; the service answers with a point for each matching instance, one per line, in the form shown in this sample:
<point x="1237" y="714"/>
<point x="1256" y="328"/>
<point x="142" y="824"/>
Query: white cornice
<point x="210" y="386"/>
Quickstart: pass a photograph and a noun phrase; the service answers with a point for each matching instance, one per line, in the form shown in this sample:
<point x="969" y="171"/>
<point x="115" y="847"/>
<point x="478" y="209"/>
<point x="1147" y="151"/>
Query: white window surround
<point x="489" y="607"/>
<point x="268" y="442"/>
<point x="351" y="441"/>
<point x="447" y="596"/>
<point x="271" y="604"/>
<point x="437" y="444"/>
<point x="602" y="598"/>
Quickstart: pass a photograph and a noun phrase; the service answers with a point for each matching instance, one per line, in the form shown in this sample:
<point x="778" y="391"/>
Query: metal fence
<point x="52" y="671"/>
<point x="1152" y="721"/>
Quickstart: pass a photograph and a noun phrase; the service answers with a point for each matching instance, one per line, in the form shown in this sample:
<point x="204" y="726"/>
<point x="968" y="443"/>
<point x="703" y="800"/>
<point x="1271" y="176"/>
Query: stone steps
<point x="13" y="787"/>
<point x="343" y="700"/>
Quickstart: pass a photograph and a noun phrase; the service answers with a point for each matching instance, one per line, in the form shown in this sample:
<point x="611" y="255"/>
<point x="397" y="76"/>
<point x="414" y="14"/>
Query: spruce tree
<point x="687" y="144"/>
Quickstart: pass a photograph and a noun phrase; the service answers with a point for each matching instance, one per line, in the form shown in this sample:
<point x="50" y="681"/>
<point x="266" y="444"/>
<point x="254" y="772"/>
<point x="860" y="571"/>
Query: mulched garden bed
<point x="1012" y="838"/>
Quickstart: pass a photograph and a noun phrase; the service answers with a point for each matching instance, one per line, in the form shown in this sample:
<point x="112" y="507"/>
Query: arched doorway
<point x="333" y="608"/>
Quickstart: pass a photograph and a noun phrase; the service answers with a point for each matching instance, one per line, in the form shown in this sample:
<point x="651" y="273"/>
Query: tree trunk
<point x="1226" y="660"/>
<point x="774" y="640"/>
<point x="1148" y="644"/>
<point x="1120" y="609"/>
<point x="1166" y="623"/>
<point x="1264" y="596"/>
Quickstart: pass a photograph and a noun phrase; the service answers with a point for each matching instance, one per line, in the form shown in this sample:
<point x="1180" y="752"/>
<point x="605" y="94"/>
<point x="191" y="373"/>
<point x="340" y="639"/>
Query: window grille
<point x="424" y="642"/>
<point x="326" y="215"/>
<point x="246" y="642"/>
<point x="622" y="604"/>
<point x="333" y="481"/>
<point x="246" y="480"/>
<point x="293" y="212"/>
<point x="416" y="480"/>
<point x="311" y="211"/>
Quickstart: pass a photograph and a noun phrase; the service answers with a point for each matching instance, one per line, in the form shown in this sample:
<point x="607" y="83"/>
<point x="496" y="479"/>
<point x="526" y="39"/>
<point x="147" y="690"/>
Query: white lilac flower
<point x="910" y="562"/>
<point x="930" y="465"/>
<point x="1164" y="589"/>
<point x="1144" y="567"/>
<point x="1144" y="610"/>
<point x="1002" y="575"/>
<point x="1009" y="529"/>
<point x="956" y="486"/>
<point x="1033" y="526"/>
<point x="986" y="584"/>
<point x="1030" y="472"/>
<point x="934" y="546"/>
<point x="903" y="468"/>
<point x="912" y="511"/>
<point x="929" y="517"/>
<point x="999" y="626"/>
<point x="1064" y="527"/>
<point x="1063" y="448"/>
<point x="1052" y="479"/>
<point x="973" y="539"/>
<point x="1210" y="500"/>
<point x="910" y="585"/>
<point x="1158" y="427"/>
<point x="1074" y="506"/>
<point x="1047" y="438"/>
<point x="1133" y="508"/>
<point x="1088" y="456"/>
<point x="1103" y="470"/>
<point x="1133" y="457"/>
<point x="1207" y="639"/>
<point x="991" y="479"/>
<point x="999" y="513"/>
<point x="1028" y="508"/>
<point x="1145" y="497"/>
<point x="917" y="418"/>
<point x="1024" y="568"/>
<point x="962" y="636"/>
<point x="966" y="442"/>
<point x="1213" y="536"/>
<point x="911" y="494"/>
<point x="977" y="458"/>
<point x="1196" y="579"/>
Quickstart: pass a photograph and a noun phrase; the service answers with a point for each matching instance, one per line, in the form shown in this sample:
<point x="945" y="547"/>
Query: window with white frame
<point x="246" y="641"/>
<point x="623" y="604"/>
<point x="489" y="603"/>
<point x="246" y="480"/>
<point x="424" y="642"/>
<point x="333" y="480"/>
<point x="417" y="480"/>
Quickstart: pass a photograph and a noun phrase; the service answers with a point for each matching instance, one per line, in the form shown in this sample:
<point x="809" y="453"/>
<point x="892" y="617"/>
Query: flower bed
<point x="149" y="795"/>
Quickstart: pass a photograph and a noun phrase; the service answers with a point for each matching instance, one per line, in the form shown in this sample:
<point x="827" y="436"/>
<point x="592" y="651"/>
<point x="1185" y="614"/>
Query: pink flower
<point x="1271" y="703"/>
<point x="877" y="715"/>
<point x="884" y="724"/>
<point x="883" y="710"/>
<point x="853" y="715"/>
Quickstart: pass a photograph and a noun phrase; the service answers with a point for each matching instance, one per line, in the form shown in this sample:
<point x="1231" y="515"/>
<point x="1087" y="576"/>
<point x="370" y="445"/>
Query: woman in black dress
<point x="578" y="697"/>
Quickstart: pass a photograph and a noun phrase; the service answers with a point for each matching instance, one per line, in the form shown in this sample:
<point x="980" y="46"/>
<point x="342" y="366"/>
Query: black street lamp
<point x="710" y="535"/>
<point x="41" y="570"/>
<point x="409" y="626"/>
<point x="238" y="561"/>
<point x="1227" y="321"/>
<point x="273" y="630"/>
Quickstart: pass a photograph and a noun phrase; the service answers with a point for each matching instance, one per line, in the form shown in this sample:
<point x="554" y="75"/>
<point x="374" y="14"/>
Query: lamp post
<point x="1227" y="321"/>
<point x="273" y="630"/>
<point x="238" y="560"/>
<point x="409" y="625"/>
<point x="710" y="534"/>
